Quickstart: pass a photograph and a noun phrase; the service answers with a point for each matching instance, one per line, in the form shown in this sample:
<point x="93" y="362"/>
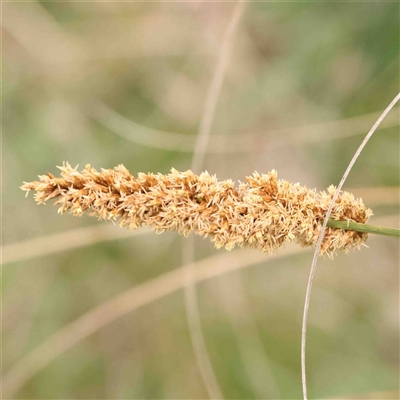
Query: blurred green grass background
<point x="111" y="83"/>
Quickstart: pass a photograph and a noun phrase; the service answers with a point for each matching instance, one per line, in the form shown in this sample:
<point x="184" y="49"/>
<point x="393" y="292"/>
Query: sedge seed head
<point x="262" y="213"/>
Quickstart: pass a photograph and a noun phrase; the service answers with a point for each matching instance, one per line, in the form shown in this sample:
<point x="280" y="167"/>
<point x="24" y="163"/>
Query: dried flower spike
<point x="262" y="213"/>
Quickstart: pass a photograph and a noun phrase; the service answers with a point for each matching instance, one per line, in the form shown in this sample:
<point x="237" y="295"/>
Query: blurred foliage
<point x="292" y="65"/>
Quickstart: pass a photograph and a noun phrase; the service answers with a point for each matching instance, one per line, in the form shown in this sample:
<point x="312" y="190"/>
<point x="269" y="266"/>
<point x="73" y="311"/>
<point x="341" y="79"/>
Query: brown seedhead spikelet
<point x="262" y="213"/>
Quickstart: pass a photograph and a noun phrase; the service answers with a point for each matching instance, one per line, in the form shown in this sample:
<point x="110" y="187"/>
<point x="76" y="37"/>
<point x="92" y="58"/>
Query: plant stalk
<point x="355" y="226"/>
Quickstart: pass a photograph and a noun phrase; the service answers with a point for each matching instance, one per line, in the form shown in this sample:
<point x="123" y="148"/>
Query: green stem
<point x="355" y="226"/>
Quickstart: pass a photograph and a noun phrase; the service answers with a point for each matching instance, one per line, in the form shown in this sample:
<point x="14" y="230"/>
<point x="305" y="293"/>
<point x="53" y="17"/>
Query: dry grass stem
<point x="62" y="241"/>
<point x="235" y="142"/>
<point x="188" y="249"/>
<point x="262" y="213"/>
